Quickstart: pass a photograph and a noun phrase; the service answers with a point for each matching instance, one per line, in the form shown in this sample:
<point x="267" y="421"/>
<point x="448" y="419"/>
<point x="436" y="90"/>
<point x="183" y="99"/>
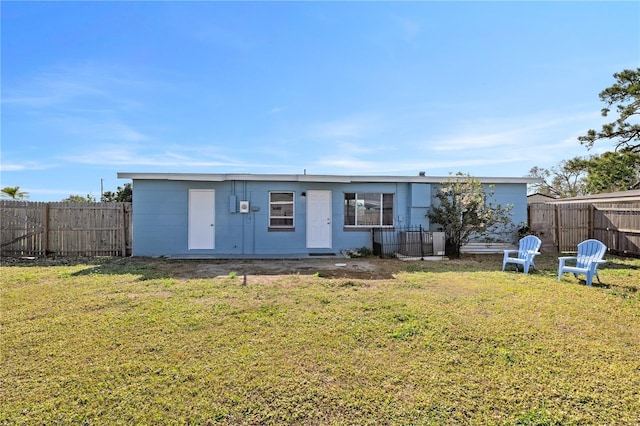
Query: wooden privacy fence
<point x="104" y="229"/>
<point x="65" y="229"/>
<point x="561" y="227"/>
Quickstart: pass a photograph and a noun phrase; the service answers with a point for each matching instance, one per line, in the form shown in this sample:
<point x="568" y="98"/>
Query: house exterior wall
<point x="514" y="194"/>
<point x="419" y="202"/>
<point x="161" y="215"/>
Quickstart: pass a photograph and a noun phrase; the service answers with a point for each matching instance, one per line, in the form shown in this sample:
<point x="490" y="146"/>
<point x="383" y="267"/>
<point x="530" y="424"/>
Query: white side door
<point x="319" y="219"/>
<point x="202" y="207"/>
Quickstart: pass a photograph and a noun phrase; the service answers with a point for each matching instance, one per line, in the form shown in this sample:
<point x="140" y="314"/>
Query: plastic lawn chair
<point x="528" y="249"/>
<point x="590" y="254"/>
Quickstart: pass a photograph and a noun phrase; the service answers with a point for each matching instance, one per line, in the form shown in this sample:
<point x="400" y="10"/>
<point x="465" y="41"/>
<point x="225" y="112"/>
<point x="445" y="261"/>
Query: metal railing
<point x="410" y="241"/>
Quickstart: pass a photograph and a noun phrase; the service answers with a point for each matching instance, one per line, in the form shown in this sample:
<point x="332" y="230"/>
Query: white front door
<point x="202" y="207"/>
<point x="318" y="219"/>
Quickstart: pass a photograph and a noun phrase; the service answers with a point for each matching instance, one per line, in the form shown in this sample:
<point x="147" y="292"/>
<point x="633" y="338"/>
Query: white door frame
<point x="319" y="217"/>
<point x="202" y="219"/>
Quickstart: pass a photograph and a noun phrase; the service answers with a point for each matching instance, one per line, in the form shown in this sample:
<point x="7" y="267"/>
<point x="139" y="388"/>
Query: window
<point x="281" y="209"/>
<point x="368" y="209"/>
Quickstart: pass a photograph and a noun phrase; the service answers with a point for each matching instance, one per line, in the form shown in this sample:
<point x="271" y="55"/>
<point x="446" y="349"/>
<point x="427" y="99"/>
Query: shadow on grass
<point x="363" y="268"/>
<point x="124" y="266"/>
<point x="92" y="265"/>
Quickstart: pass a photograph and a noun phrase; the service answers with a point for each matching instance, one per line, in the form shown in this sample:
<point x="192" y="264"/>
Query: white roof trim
<point x="632" y="196"/>
<point x="214" y="177"/>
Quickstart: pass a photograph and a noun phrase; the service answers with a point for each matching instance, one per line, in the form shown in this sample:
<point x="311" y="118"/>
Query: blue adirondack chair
<point x="590" y="254"/>
<point x="528" y="248"/>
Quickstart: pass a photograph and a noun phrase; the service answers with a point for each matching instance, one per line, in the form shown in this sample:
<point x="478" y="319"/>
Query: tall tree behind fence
<point x="65" y="229"/>
<point x="561" y="227"/>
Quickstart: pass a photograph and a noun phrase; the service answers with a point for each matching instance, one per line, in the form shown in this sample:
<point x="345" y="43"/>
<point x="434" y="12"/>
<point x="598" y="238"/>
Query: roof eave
<point x="216" y="177"/>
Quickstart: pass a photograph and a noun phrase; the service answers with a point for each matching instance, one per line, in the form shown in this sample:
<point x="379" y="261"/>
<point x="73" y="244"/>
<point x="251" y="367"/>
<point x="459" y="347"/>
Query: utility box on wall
<point x="244" y="207"/>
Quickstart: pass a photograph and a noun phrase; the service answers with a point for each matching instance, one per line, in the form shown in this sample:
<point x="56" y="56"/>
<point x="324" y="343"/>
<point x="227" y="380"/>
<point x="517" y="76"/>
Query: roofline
<point x="598" y="200"/>
<point x="635" y="199"/>
<point x="222" y="177"/>
<point x="631" y="196"/>
<point x="541" y="195"/>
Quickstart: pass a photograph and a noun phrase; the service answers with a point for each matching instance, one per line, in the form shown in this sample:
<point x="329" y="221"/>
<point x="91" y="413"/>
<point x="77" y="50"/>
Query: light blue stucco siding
<point x="513" y="194"/>
<point x="419" y="203"/>
<point x="161" y="217"/>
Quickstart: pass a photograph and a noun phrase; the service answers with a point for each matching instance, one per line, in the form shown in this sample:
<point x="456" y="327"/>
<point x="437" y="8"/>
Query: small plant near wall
<point x="358" y="253"/>
<point x="524" y="230"/>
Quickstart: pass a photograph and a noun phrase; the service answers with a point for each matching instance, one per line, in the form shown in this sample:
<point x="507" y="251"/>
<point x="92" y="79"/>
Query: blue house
<point x="236" y="215"/>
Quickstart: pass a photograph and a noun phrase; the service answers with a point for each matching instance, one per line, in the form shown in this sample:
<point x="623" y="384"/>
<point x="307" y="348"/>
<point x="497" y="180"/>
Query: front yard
<point x="448" y="342"/>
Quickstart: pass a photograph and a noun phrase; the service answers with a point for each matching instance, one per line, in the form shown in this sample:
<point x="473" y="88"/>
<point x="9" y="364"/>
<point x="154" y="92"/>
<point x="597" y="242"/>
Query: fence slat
<point x="65" y="229"/>
<point x="561" y="227"/>
<point x="104" y="229"/>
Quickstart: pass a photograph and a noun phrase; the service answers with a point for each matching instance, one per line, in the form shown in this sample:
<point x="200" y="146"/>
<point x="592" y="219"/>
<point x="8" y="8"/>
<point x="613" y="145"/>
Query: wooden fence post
<point x="558" y="227"/>
<point x="123" y="230"/>
<point x="45" y="229"/>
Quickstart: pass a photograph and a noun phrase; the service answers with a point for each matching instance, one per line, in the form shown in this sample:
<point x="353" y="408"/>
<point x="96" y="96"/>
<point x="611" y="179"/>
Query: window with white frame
<point x="281" y="209"/>
<point x="368" y="209"/>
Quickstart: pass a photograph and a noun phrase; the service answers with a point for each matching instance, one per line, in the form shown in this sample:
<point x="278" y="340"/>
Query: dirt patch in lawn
<point x="357" y="268"/>
<point x="368" y="268"/>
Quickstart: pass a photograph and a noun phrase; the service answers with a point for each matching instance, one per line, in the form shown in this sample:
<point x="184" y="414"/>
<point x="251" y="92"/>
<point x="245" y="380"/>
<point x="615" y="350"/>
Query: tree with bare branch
<point x="625" y="130"/>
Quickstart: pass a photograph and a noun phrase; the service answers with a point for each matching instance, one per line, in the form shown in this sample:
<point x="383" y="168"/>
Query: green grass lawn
<point x="450" y="342"/>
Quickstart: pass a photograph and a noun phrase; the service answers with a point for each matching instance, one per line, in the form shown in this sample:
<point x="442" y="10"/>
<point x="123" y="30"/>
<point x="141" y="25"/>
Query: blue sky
<point x="90" y="89"/>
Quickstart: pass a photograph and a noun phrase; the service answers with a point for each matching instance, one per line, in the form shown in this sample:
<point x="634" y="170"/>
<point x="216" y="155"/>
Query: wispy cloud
<point x="218" y="35"/>
<point x="348" y="149"/>
<point x="347" y="165"/>
<point x="474" y="141"/>
<point x="92" y="129"/>
<point x="437" y="167"/>
<point x="489" y="147"/>
<point x="75" y="86"/>
<point x="356" y="127"/>
<point x="515" y="132"/>
<point x="151" y="156"/>
<point x="27" y="165"/>
<point x="48" y="90"/>
<point x="410" y="29"/>
<point x="86" y="102"/>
